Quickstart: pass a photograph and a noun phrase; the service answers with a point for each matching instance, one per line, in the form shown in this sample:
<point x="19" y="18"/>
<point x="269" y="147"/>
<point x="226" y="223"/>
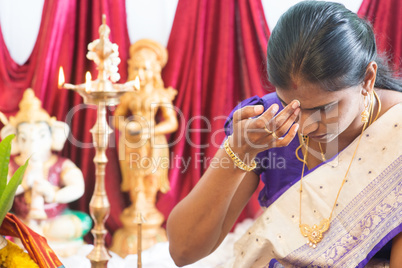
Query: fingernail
<point x="258" y="108"/>
<point x="295" y="104"/>
<point x="275" y="108"/>
<point x="297" y="127"/>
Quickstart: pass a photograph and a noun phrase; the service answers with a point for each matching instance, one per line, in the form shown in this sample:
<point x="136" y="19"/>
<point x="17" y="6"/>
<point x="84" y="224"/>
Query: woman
<point x="330" y="87"/>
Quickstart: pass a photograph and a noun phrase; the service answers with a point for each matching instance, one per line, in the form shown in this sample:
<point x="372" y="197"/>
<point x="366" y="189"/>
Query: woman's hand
<point x="254" y="132"/>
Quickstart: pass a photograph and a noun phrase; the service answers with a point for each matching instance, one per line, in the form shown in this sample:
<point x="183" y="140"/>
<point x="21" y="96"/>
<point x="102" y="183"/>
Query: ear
<point x="8" y="130"/>
<point x="369" y="79"/>
<point x="60" y="132"/>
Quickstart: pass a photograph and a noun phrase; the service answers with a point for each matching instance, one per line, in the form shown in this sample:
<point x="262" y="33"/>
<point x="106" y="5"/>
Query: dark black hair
<point x="324" y="42"/>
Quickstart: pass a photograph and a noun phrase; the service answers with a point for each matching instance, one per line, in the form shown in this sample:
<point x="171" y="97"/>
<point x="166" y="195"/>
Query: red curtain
<point x="65" y="31"/>
<point x="216" y="51"/>
<point x="216" y="59"/>
<point x="386" y="19"/>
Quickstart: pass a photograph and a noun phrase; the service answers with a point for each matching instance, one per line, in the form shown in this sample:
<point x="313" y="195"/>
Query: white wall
<point x="20" y="20"/>
<point x="273" y="9"/>
<point x="151" y="19"/>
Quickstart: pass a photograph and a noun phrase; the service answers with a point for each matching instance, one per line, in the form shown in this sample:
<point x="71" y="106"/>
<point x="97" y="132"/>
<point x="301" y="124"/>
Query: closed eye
<point x="321" y="107"/>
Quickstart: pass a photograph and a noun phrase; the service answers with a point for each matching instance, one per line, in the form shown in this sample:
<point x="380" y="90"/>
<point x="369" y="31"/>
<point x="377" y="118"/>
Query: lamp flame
<point x="137" y="83"/>
<point x="88" y="81"/>
<point x="61" y="80"/>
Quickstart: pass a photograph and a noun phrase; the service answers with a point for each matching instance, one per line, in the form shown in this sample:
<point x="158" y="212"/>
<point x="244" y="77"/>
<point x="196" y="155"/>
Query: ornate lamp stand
<point x="102" y="92"/>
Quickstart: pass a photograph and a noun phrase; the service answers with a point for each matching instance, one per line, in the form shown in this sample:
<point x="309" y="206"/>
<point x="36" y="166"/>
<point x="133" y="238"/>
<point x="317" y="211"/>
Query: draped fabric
<point x="386" y="19"/>
<point x="34" y="244"/>
<point x="216" y="59"/>
<point x="66" y="29"/>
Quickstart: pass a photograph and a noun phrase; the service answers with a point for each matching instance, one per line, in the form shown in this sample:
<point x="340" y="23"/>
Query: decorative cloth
<point x="35" y="244"/>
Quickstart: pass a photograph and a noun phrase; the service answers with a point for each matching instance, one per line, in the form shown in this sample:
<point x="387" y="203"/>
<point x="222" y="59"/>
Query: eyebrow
<point x="314" y="108"/>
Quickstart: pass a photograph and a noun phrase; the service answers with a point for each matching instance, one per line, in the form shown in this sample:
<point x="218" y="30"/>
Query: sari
<point x="368" y="213"/>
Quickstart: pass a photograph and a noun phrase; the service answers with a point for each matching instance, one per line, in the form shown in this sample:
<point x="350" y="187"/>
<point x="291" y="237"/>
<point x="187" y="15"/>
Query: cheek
<point x="342" y="116"/>
<point x="150" y="74"/>
<point x="21" y="141"/>
<point x="46" y="140"/>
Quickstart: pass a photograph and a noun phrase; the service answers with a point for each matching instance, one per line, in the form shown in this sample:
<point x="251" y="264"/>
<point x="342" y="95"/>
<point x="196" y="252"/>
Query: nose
<point x="309" y="121"/>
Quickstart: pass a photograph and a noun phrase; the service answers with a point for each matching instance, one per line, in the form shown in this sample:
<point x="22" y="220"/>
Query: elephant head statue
<point x="37" y="134"/>
<point x="50" y="181"/>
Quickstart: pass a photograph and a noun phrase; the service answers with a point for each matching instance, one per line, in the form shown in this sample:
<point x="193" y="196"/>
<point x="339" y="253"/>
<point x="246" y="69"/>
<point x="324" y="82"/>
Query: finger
<point x="284" y="141"/>
<point x="267" y="116"/>
<point x="247" y="112"/>
<point x="284" y="115"/>
<point x="281" y="130"/>
<point x="258" y="124"/>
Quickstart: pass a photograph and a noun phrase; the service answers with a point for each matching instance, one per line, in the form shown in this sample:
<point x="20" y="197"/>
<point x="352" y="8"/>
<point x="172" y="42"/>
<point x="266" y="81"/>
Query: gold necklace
<point x="315" y="233"/>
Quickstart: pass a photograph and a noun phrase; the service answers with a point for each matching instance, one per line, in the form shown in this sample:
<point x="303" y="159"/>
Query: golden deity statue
<point x="143" y="118"/>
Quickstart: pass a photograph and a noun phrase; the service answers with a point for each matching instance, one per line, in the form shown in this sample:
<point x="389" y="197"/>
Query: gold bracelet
<point x="237" y="161"/>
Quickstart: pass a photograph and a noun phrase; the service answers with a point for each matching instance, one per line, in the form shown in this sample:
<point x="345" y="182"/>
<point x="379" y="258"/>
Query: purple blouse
<point x="278" y="168"/>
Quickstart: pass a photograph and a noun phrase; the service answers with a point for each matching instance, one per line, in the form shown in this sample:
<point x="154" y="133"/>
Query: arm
<point x="169" y="123"/>
<point x="396" y="251"/>
<point x="71" y="178"/>
<point x="30" y="176"/>
<point x="121" y="112"/>
<point x="199" y="223"/>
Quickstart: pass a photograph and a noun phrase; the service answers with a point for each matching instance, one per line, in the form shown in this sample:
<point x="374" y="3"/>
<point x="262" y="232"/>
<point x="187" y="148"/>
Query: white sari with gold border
<point x="368" y="213"/>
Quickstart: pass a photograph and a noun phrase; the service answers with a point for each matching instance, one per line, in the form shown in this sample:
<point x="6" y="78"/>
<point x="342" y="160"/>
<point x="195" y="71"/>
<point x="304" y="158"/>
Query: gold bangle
<point x="237" y="161"/>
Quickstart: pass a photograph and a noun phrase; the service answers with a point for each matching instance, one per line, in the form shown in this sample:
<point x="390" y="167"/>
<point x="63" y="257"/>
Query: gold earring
<point x="366" y="114"/>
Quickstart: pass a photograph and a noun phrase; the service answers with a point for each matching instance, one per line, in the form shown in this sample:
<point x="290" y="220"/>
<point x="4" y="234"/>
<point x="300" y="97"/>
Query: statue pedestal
<point x="125" y="239"/>
<point x="63" y="249"/>
<point x="66" y="249"/>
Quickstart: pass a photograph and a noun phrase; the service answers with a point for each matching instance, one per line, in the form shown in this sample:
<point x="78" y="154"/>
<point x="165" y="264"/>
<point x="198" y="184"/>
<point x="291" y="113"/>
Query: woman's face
<point x="145" y="66"/>
<point x="324" y="115"/>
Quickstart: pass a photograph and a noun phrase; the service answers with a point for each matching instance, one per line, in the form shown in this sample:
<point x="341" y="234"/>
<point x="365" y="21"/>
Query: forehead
<point x="33" y="127"/>
<point x="311" y="95"/>
<point x="144" y="56"/>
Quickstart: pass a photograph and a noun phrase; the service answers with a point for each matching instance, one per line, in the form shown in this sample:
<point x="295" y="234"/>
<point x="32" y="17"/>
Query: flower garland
<point x="13" y="256"/>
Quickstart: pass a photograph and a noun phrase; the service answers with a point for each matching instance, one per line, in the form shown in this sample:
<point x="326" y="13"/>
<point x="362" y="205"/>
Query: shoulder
<point x="127" y="97"/>
<point x="389" y="98"/>
<point x="270" y="99"/>
<point x="267" y="100"/>
<point x="66" y="163"/>
<point x="167" y="94"/>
